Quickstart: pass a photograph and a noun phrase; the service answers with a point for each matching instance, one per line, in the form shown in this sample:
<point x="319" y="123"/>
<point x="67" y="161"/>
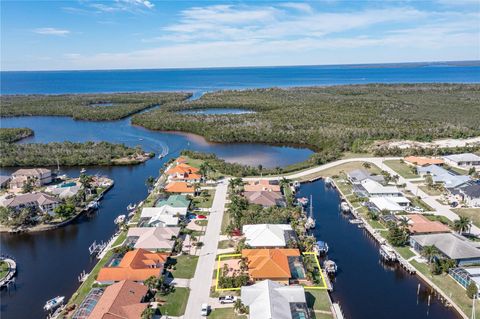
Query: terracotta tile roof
<point x="181" y="160"/>
<point x="179" y="187"/>
<point x="182" y="169"/>
<point x="265" y="198"/>
<point x="261" y="185"/>
<point x="121" y="301"/>
<point x="138" y="265"/>
<point x="419" y="224"/>
<point x="269" y="263"/>
<point x="423" y="161"/>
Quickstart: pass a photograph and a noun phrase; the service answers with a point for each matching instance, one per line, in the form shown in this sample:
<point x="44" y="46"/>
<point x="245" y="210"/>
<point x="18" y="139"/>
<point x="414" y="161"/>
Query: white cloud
<point x="133" y="6"/>
<point x="51" y="31"/>
<point x="305" y="7"/>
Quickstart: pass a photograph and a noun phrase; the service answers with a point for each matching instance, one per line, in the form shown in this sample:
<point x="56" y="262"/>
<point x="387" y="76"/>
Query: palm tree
<point x="462" y="224"/>
<point x="366" y="165"/>
<point x="403" y="222"/>
<point x="429" y="252"/>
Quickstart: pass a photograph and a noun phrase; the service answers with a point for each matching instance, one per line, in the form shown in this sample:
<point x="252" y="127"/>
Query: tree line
<point x="10" y="135"/>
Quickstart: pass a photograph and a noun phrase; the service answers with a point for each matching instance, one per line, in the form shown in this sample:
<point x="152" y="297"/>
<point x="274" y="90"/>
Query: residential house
<point x="389" y="203"/>
<point x="465" y="160"/>
<point x="183" y="188"/>
<point x="4" y="181"/>
<point x="39" y="177"/>
<point x="469" y="194"/>
<point x="265" y="198"/>
<point x="262" y="185"/>
<point x="174" y="201"/>
<point x="161" y="216"/>
<point x="422" y="161"/>
<point x="372" y="188"/>
<point x="268" y="235"/>
<point x="45" y="203"/>
<point x="273" y="264"/>
<point x="270" y="300"/>
<point x="136" y="265"/>
<point x="184" y="172"/>
<point x="440" y="175"/>
<point x="357" y="176"/>
<point x="64" y="192"/>
<point x="152" y="238"/>
<point x="450" y="245"/>
<point x="419" y="224"/>
<point x="122" y="300"/>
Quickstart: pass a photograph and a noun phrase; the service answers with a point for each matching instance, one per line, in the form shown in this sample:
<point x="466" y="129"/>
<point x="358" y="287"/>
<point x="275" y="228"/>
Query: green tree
<point x="472" y="290"/>
<point x="462" y="224"/>
<point x="429" y="252"/>
<point x="149" y="182"/>
<point x="28" y="185"/>
<point x="366" y="165"/>
<point x="396" y="235"/>
<point x="148" y="313"/>
<point x="85" y="180"/>
<point x="429" y="180"/>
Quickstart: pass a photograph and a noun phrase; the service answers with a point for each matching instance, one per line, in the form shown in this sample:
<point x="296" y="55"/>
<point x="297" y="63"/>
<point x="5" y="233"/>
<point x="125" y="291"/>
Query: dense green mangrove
<point x="10" y="135"/>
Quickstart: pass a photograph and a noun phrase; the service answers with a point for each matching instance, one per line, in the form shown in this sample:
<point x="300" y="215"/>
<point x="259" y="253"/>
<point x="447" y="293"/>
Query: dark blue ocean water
<point x="201" y="80"/>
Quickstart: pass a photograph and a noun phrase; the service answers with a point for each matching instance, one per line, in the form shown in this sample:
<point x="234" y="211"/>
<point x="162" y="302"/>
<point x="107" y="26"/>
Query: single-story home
<point x="4" y="181"/>
<point x="64" y="192"/>
<point x="174" y="201"/>
<point x="422" y="161"/>
<point x="180" y="188"/>
<point x="373" y="188"/>
<point x="268" y="299"/>
<point x="39" y="176"/>
<point x="261" y="185"/>
<point x="419" y="224"/>
<point x="136" y="265"/>
<point x="470" y="194"/>
<point x="465" y="160"/>
<point x="357" y="176"/>
<point x="390" y="203"/>
<point x="268" y="235"/>
<point x="153" y="238"/>
<point x="161" y="216"/>
<point x="272" y="264"/>
<point x="265" y="198"/>
<point x="450" y="245"/>
<point x="443" y="176"/>
<point x="45" y="203"/>
<point x="121" y="300"/>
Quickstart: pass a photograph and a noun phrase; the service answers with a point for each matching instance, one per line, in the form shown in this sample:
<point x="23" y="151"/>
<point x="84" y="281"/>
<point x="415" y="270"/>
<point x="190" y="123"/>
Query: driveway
<point x="202" y="280"/>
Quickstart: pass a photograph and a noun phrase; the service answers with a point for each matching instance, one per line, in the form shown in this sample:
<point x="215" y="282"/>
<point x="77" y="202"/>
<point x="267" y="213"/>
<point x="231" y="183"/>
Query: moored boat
<point x="321" y="248"/>
<point x="344" y="207"/>
<point x="53" y="303"/>
<point x="330" y="267"/>
<point x="131" y="206"/>
<point x="120" y="219"/>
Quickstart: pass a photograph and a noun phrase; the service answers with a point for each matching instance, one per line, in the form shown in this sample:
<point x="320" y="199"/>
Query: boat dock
<point x="9" y="279"/>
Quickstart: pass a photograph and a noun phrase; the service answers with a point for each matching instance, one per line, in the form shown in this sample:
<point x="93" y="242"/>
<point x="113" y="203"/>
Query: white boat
<point x="330" y="267"/>
<point x="344" y="207"/>
<point x="53" y="303"/>
<point x="82" y="171"/>
<point x="296" y="184"/>
<point x="131" y="206"/>
<point x="120" y="219"/>
<point x="320" y="248"/>
<point x="329" y="181"/>
<point x="387" y="253"/>
<point x="303" y="201"/>
<point x="92" y="205"/>
<point x="310" y="223"/>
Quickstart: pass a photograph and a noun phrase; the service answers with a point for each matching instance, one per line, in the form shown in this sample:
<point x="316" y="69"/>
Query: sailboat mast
<point x="311" y="207"/>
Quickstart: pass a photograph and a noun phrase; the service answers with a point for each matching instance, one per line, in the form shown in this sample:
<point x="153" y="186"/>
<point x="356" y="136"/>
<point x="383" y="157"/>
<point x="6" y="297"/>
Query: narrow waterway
<point x="364" y="286"/>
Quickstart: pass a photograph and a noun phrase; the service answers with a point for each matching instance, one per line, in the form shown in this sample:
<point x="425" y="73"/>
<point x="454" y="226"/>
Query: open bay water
<point x="49" y="262"/>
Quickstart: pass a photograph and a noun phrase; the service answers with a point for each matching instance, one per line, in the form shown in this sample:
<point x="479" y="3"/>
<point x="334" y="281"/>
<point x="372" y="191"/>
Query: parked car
<point x="227" y="299"/>
<point x="204" y="311"/>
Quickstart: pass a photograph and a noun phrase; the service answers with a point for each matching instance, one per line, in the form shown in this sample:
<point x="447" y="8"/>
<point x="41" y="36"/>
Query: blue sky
<point x="122" y="34"/>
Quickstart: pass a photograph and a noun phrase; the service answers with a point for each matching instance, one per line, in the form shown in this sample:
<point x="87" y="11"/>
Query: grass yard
<point x="175" y="302"/>
<point x="204" y="200"/>
<point x="402" y="169"/>
<point x="450" y="287"/>
<point x="185" y="266"/>
<point x="225" y="222"/>
<point x="3" y="269"/>
<point x="337" y="170"/>
<point x="472" y="213"/>
<point x="405" y="252"/>
<point x="223" y="244"/>
<point x="318" y="300"/>
<point x="201" y="222"/>
<point x="430" y="190"/>
<point x="420" y="203"/>
<point x="442" y="219"/>
<point x="225" y="313"/>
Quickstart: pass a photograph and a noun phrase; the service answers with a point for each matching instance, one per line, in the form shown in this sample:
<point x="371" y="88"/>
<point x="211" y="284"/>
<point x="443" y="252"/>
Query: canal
<point x="364" y="286"/>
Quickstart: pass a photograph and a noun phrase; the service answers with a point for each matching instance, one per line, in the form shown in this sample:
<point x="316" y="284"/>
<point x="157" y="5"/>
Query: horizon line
<point x="475" y="62"/>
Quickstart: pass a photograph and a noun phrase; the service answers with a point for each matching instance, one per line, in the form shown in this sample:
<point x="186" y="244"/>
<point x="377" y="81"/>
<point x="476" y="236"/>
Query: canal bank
<point x="365" y="287"/>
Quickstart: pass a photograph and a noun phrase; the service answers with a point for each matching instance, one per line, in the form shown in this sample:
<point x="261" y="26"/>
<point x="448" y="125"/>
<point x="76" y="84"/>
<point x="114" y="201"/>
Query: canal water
<point x="365" y="287"/>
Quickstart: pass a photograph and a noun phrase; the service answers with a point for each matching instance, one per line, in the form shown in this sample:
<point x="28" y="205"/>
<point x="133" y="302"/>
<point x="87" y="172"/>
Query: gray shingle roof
<point x="451" y="245"/>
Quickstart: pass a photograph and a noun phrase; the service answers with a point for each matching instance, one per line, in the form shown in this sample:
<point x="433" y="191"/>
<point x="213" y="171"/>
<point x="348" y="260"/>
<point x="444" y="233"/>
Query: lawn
<point x="223" y="244"/>
<point x="185" y="266"/>
<point x="405" y="252"/>
<point x="204" y="200"/>
<point x="337" y="170"/>
<point x="450" y="287"/>
<point x="402" y="169"/>
<point x="318" y="300"/>
<point x="442" y="219"/>
<point x="225" y="222"/>
<point x="420" y="203"/>
<point x="430" y="190"/>
<point x="201" y="222"/>
<point x="472" y="213"/>
<point x="3" y="269"/>
<point x="225" y="313"/>
<point x="175" y="302"/>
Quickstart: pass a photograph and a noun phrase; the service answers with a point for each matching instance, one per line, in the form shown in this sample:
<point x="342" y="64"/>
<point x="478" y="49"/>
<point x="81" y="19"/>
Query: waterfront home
<point x="465" y="160"/>
<point x="152" y="238"/>
<point x="389" y="203"/>
<point x="419" y="224"/>
<point x="268" y="235"/>
<point x="268" y="299"/>
<point x="184" y="172"/>
<point x="469" y="194"/>
<point x="38" y="176"/>
<point x="123" y="300"/>
<point x="357" y="176"/>
<point x="450" y="245"/>
<point x="265" y="198"/>
<point x="443" y="176"/>
<point x="45" y="203"/>
<point x="174" y="201"/>
<point x="136" y="265"/>
<point x="183" y="188"/>
<point x="275" y="264"/>
<point x="370" y="188"/>
<point x="262" y="185"/>
<point x="180" y="160"/>
<point x="161" y="216"/>
<point x="4" y="181"/>
<point x="64" y="192"/>
<point x="464" y="276"/>
<point x="422" y="161"/>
